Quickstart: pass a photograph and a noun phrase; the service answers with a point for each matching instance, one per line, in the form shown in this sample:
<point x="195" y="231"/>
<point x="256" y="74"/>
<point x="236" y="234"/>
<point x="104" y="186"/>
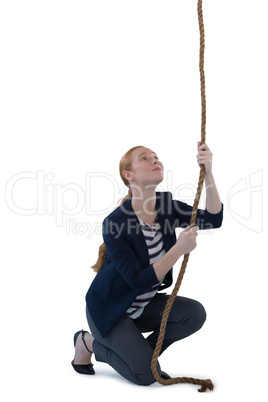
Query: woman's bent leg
<point x="186" y="317"/>
<point x="125" y="349"/>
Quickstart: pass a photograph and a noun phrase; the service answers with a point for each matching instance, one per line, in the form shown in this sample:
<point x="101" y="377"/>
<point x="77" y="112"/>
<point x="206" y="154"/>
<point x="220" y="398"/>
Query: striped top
<point x="156" y="249"/>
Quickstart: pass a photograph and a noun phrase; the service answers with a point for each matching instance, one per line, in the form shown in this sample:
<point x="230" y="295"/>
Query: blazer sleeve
<point x="204" y="219"/>
<point x="125" y="261"/>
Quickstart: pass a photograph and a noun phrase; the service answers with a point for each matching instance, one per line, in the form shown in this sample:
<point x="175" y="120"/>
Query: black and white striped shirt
<point x="154" y="240"/>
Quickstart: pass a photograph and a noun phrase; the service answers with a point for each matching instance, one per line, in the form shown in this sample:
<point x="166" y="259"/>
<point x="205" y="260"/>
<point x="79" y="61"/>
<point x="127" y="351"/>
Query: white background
<point x="81" y="83"/>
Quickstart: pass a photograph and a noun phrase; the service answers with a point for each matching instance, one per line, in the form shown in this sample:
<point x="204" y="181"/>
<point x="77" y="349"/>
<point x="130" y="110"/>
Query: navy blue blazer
<point x="126" y="271"/>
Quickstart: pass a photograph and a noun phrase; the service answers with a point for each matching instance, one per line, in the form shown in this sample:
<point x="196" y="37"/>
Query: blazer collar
<point x="160" y="208"/>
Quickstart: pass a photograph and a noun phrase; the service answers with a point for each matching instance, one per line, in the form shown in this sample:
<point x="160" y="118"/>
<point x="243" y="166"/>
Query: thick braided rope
<point x="205" y="384"/>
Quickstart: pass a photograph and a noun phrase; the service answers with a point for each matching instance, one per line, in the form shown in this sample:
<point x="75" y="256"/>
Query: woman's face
<point x="146" y="168"/>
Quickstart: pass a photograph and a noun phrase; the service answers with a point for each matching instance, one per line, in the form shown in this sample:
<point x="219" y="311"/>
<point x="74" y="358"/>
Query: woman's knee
<point x="145" y="376"/>
<point x="199" y="315"/>
<point x="190" y="312"/>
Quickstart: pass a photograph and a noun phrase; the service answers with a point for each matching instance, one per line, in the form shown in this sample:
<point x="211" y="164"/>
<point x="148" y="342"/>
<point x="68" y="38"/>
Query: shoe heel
<point x="76" y="336"/>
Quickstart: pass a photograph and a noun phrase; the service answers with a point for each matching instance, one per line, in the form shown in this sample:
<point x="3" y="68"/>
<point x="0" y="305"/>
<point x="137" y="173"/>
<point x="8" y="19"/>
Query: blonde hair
<point x="125" y="164"/>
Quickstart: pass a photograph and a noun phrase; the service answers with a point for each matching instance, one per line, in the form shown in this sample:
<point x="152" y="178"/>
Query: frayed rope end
<point x="207" y="384"/>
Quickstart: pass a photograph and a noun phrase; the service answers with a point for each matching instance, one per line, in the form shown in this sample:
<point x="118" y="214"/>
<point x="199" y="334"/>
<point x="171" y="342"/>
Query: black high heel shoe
<point x="165" y="376"/>
<point x="83" y="368"/>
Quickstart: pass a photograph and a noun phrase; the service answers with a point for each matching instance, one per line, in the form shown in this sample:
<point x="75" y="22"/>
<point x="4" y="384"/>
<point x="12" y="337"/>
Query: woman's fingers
<point x="193" y="230"/>
<point x="204" y="156"/>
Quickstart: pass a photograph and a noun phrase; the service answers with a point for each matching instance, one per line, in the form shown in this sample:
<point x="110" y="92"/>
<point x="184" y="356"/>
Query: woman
<point x="135" y="262"/>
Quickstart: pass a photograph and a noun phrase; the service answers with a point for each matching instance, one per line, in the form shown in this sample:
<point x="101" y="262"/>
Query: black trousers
<point x="129" y="352"/>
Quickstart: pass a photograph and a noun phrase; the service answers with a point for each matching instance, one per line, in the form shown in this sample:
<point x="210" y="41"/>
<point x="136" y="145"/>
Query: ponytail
<point x="101" y="258"/>
<point x="102" y="249"/>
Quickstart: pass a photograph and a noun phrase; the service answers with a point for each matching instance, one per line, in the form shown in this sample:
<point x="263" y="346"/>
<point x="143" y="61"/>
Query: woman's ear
<point x="127" y="175"/>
